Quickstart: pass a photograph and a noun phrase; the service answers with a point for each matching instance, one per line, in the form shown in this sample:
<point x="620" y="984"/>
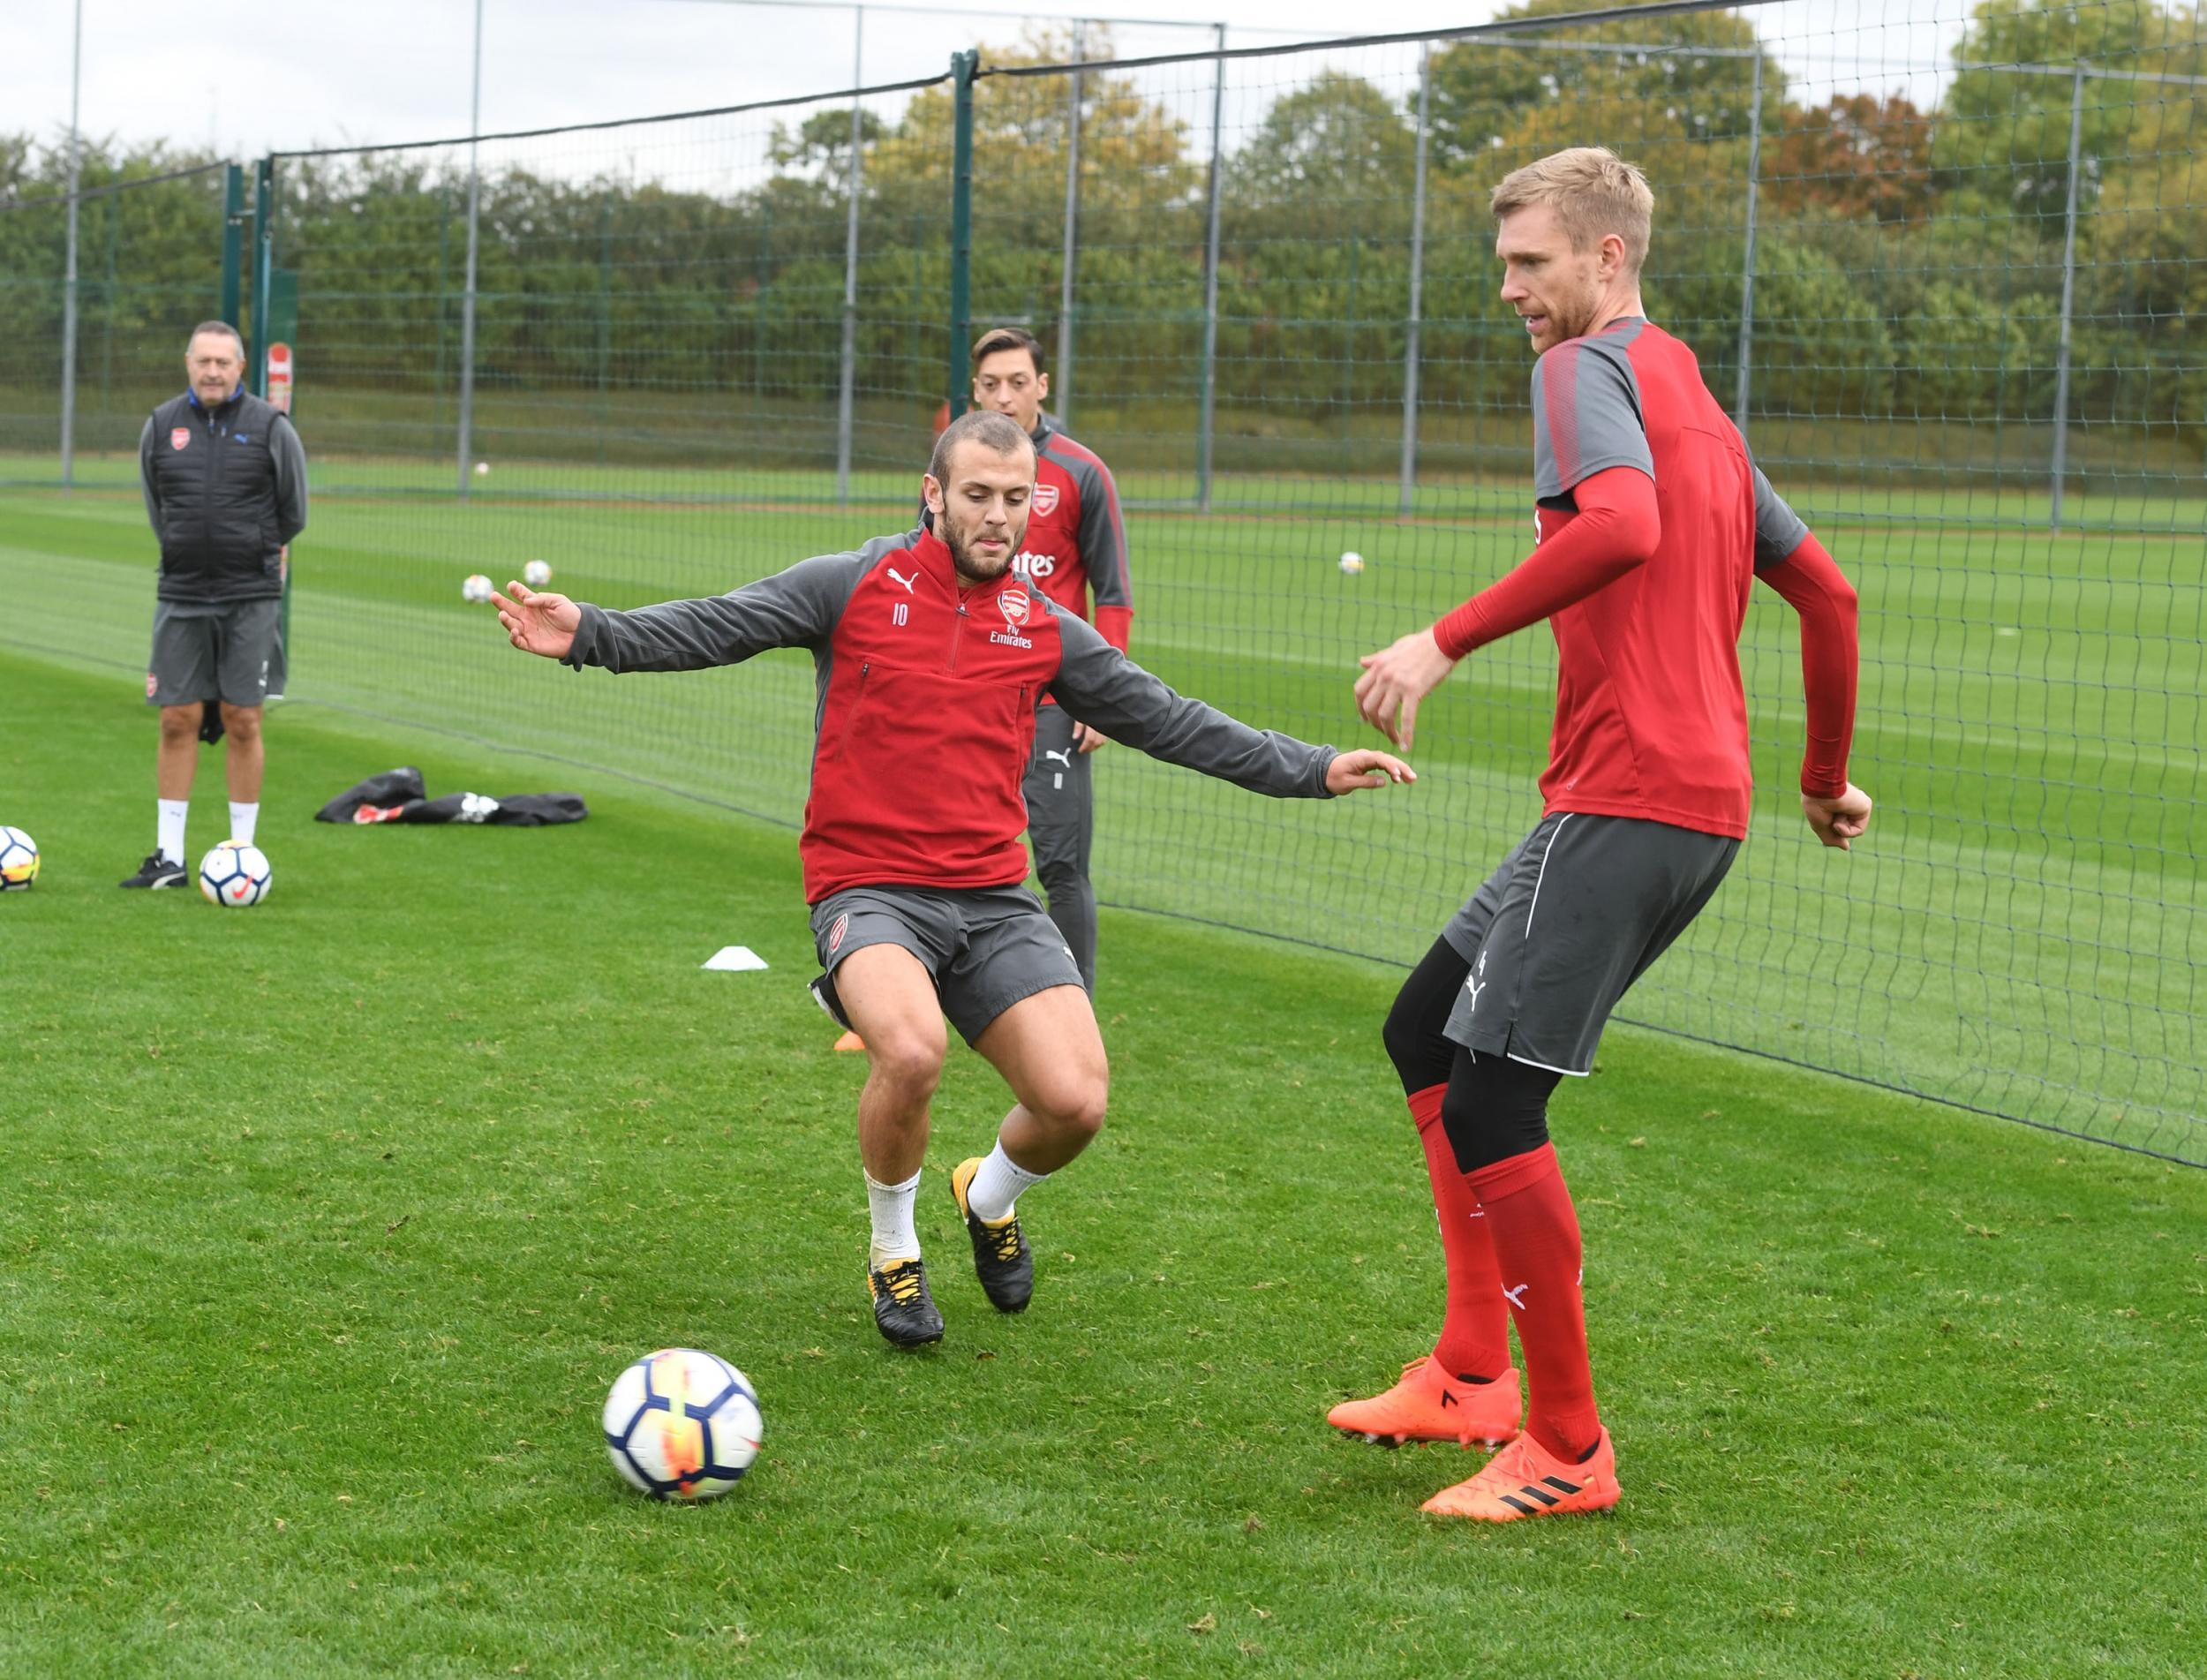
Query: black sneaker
<point x="156" y="871"/>
<point x="903" y="1309"/>
<point x="1001" y="1257"/>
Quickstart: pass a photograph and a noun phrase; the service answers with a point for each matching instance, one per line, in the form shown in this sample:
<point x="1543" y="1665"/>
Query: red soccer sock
<point x="1475" y="1329"/>
<point x="1534" y="1230"/>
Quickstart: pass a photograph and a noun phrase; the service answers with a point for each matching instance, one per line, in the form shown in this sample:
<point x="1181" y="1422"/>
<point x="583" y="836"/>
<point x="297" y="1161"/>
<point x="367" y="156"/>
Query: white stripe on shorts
<point x="1546" y="853"/>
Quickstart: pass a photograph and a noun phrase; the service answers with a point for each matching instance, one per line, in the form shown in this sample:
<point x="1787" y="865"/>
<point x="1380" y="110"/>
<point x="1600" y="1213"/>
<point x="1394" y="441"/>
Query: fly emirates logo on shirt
<point x="1016" y="607"/>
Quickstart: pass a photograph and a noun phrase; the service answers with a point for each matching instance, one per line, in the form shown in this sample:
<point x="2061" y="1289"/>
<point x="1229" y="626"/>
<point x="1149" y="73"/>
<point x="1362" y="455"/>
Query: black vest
<point x="214" y="472"/>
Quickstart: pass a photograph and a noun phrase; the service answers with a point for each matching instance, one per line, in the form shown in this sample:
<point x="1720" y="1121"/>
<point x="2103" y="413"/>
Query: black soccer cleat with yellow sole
<point x="1001" y="1258"/>
<point x="904" y="1311"/>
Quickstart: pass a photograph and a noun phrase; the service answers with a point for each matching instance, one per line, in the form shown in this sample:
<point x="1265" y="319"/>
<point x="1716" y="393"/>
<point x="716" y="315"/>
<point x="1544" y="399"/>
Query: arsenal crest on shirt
<point x="179" y="437"/>
<point x="1014" y="604"/>
<point x="1046" y="498"/>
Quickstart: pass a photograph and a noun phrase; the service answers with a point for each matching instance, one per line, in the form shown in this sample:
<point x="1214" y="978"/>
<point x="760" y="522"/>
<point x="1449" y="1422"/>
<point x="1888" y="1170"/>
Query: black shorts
<point x="226" y="654"/>
<point x="985" y="948"/>
<point x="1576" y="913"/>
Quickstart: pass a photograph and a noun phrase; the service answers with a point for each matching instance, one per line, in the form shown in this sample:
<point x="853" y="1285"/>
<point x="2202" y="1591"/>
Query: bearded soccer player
<point x="1075" y="548"/>
<point x="931" y="653"/>
<point x="1653" y="526"/>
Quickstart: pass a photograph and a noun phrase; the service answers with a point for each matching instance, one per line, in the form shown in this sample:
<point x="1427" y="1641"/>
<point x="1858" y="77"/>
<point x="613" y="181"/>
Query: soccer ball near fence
<point x="682" y="1425"/>
<point x="475" y="587"/>
<point x="18" y="860"/>
<point x="535" y="573"/>
<point x="235" y="876"/>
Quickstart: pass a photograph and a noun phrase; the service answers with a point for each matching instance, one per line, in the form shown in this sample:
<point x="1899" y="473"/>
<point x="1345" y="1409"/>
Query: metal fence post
<point x="1417" y="284"/>
<point x="263" y="273"/>
<point x="1210" y="286"/>
<point x="2069" y="298"/>
<point x="962" y="65"/>
<point x="605" y="314"/>
<point x="1747" y="260"/>
<point x="466" y="440"/>
<point x="1062" y="388"/>
<point x="233" y="241"/>
<point x="69" y="273"/>
<point x="846" y="394"/>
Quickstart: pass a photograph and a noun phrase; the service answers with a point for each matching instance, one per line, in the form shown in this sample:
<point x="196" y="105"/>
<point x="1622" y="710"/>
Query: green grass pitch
<point x="2024" y="933"/>
<point x="327" y="1224"/>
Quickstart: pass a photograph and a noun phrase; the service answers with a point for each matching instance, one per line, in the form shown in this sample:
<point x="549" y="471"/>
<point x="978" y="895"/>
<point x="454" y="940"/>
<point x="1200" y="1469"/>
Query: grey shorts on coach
<point x="204" y="654"/>
<point x="986" y="948"/>
<point x="1578" y="911"/>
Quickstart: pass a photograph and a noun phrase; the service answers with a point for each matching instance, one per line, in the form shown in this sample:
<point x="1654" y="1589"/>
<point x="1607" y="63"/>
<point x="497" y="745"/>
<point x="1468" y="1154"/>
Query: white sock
<point x="997" y="1185"/>
<point x="241" y="819"/>
<point x="170" y="828"/>
<point x="894" y="1239"/>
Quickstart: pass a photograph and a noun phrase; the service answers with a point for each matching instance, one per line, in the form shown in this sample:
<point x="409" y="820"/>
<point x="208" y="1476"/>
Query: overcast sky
<point x="242" y="78"/>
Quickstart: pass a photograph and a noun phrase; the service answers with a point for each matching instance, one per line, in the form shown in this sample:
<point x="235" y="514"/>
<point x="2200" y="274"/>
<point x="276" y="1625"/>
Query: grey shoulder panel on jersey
<point x="1103" y="534"/>
<point x="797" y="607"/>
<point x="1100" y="686"/>
<point x="1779" y="531"/>
<point x="1587" y="414"/>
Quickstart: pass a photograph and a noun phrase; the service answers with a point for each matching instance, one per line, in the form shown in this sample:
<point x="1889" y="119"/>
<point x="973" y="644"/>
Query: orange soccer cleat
<point x="1429" y="1404"/>
<point x="1526" y="1479"/>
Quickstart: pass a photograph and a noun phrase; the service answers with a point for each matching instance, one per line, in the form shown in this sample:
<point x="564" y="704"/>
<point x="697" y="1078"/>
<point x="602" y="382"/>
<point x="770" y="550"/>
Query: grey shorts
<point x="1576" y="913"/>
<point x="985" y="948"/>
<point x="224" y="653"/>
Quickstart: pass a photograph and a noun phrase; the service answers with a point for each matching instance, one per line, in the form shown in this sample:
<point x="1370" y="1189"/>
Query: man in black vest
<point x="225" y="483"/>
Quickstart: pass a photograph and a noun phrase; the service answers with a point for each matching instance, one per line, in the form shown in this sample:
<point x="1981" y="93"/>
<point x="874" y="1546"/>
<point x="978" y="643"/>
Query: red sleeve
<point x="1616" y="530"/>
<point x="1114" y="623"/>
<point x="1816" y="589"/>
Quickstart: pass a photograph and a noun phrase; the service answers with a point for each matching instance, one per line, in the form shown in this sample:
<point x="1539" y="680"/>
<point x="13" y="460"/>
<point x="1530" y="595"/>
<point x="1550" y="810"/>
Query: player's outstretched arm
<point x="794" y="609"/>
<point x="1097" y="684"/>
<point x="1616" y="528"/>
<point x="1812" y="584"/>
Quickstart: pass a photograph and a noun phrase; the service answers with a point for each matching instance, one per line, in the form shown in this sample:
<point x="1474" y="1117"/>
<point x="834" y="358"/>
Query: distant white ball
<point x="475" y="588"/>
<point x="535" y="573"/>
<point x="236" y="876"/>
<point x="681" y="1424"/>
<point x="1352" y="562"/>
<point x="18" y="860"/>
<point x="482" y="469"/>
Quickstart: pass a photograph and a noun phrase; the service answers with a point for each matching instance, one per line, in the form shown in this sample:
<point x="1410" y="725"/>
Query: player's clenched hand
<point x="1364" y="768"/>
<point x="1838" y="822"/>
<point x="1086" y="738"/>
<point x="538" y="624"/>
<point x="1395" y="678"/>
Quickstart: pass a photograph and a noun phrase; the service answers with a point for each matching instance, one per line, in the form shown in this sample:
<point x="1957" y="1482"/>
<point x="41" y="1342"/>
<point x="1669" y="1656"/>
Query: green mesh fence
<point x="1938" y="264"/>
<point x="149" y="268"/>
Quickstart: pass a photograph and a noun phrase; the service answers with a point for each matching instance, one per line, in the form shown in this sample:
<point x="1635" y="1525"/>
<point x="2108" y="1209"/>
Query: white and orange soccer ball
<point x="18" y="860"/>
<point x="475" y="587"/>
<point x="236" y="876"/>
<point x="682" y="1425"/>
<point x="537" y="573"/>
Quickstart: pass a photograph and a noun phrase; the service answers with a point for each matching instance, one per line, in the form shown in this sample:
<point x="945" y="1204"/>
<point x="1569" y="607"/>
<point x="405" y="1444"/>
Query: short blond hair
<point x="1593" y="192"/>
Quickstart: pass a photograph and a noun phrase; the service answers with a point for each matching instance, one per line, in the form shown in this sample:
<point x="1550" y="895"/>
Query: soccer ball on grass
<point x="1352" y="562"/>
<point x="475" y="587"/>
<point x="18" y="860"/>
<point x="682" y="1425"/>
<point x="535" y="573"/>
<point x="235" y="875"/>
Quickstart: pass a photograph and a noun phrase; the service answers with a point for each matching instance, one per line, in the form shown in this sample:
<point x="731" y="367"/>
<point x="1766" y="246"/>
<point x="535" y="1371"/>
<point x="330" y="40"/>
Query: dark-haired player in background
<point x="1652" y="526"/>
<point x="1075" y="550"/>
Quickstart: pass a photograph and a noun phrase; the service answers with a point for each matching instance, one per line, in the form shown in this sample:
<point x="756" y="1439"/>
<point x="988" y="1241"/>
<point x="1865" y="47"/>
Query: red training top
<point x="1652" y="522"/>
